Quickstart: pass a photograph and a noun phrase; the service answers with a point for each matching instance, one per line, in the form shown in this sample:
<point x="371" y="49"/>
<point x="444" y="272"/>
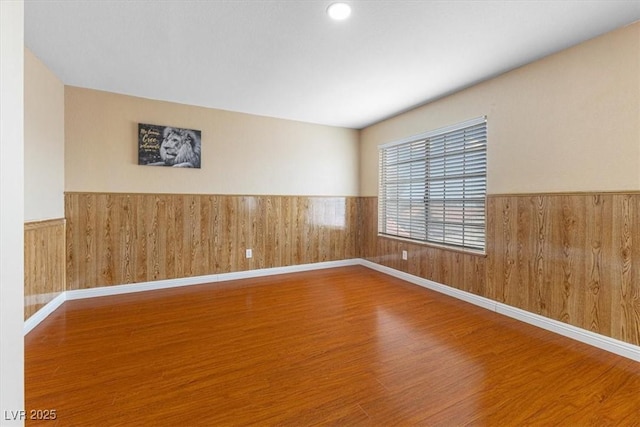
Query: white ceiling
<point x="287" y="59"/>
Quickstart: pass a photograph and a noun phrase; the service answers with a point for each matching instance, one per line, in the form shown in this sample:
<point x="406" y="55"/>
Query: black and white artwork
<point x="168" y="146"/>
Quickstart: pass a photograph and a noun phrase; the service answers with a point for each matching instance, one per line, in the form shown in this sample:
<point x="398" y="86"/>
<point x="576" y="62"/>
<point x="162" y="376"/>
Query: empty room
<point x="229" y="213"/>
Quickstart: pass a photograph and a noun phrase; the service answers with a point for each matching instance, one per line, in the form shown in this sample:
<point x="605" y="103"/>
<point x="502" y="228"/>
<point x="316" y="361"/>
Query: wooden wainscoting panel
<point x="474" y="275"/>
<point x="525" y="295"/>
<point x="105" y="265"/>
<point x="131" y="238"/>
<point x="367" y="237"/>
<point x="601" y="260"/>
<point x="270" y="216"/>
<point x="626" y="294"/>
<point x="126" y="243"/>
<point x="574" y="260"/>
<point x="44" y="263"/>
<point x="501" y="240"/>
<point x="570" y="271"/>
<point x="453" y="268"/>
<point x="540" y="239"/>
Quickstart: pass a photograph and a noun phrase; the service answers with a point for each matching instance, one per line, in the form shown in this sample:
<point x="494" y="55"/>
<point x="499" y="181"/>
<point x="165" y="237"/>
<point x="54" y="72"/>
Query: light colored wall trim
<point x="102" y="291"/>
<point x="612" y="345"/>
<point x="434" y="286"/>
<point x="199" y="280"/>
<point x="596" y="340"/>
<point x="35" y="319"/>
<point x="605" y="343"/>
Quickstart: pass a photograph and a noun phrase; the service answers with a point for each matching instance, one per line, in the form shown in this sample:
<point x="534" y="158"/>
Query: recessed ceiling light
<point x="339" y="11"/>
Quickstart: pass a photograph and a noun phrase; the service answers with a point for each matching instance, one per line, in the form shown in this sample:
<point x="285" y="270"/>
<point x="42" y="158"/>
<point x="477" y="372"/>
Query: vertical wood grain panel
<point x="152" y="233"/>
<point x="475" y="275"/>
<point x="277" y="224"/>
<point x="599" y="264"/>
<point x="321" y="235"/>
<point x="541" y="232"/>
<point x="127" y="213"/>
<point x="87" y="224"/>
<point x="72" y="239"/>
<point x="271" y="238"/>
<point x="294" y="230"/>
<point x="205" y="234"/>
<point x="171" y="235"/>
<point x="626" y="293"/>
<point x="44" y="263"/>
<point x="352" y="225"/>
<point x="217" y="227"/>
<point x="103" y="242"/>
<point x="525" y="253"/>
<point x="301" y="226"/>
<point x="570" y="298"/>
<point x="629" y="328"/>
<point x="629" y="325"/>
<point x="491" y="229"/>
<point x="228" y="234"/>
<point x="428" y="264"/>
<point x="158" y="235"/>
<point x="198" y="262"/>
<point x="453" y="269"/>
<point x="501" y="240"/>
<point x="506" y="289"/>
<point x="366" y="234"/>
<point x="285" y="231"/>
<point x="309" y="227"/>
<point x="140" y="233"/>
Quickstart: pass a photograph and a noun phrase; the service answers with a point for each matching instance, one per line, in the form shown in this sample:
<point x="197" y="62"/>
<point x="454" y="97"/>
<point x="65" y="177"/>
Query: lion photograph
<point x="168" y="146"/>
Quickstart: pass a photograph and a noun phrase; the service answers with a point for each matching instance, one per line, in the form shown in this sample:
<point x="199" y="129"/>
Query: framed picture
<point x="168" y="146"/>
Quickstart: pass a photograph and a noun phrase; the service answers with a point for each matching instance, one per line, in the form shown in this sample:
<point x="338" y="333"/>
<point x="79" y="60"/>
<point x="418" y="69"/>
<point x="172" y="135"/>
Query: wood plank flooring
<point x="345" y="346"/>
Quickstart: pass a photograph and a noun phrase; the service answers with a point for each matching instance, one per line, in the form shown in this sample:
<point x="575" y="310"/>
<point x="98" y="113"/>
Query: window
<point x="433" y="186"/>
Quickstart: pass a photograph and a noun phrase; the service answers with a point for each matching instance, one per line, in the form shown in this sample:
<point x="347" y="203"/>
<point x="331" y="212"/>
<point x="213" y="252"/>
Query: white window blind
<point x="433" y="186"/>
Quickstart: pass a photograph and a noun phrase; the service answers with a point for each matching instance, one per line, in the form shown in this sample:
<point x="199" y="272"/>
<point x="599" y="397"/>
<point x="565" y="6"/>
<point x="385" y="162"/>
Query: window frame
<point x="406" y="181"/>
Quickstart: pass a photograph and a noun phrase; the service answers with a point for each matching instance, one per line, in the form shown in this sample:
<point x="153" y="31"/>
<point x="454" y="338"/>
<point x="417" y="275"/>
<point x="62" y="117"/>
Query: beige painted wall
<point x="43" y="141"/>
<point x="241" y="153"/>
<point x="568" y="122"/>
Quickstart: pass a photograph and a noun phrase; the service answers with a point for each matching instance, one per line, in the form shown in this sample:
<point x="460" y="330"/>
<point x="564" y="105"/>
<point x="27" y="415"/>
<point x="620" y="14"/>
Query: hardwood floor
<point x="346" y="346"/>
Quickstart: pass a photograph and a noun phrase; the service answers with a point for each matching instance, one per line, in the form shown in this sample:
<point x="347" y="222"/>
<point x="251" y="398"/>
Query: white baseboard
<point x="199" y="280"/>
<point x="434" y="286"/>
<point x="42" y="314"/>
<point x="612" y="345"/>
<point x="102" y="291"/>
<point x="288" y="269"/>
<point x="600" y="341"/>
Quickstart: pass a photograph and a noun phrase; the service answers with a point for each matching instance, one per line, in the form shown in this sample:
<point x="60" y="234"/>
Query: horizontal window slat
<point x="433" y="186"/>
